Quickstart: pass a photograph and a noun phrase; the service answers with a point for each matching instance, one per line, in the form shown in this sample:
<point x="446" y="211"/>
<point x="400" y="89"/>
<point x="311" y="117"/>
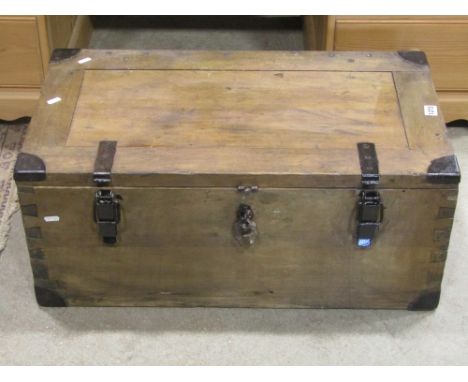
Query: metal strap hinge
<point x="106" y="203"/>
<point x="370" y="206"/>
<point x="103" y="163"/>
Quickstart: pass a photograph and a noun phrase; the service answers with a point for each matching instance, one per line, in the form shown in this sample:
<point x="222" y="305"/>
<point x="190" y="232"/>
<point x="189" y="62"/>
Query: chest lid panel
<point x="279" y="119"/>
<point x="243" y="109"/>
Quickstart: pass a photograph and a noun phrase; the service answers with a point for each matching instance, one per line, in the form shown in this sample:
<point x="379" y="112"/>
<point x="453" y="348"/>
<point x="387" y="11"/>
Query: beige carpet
<point x="11" y="138"/>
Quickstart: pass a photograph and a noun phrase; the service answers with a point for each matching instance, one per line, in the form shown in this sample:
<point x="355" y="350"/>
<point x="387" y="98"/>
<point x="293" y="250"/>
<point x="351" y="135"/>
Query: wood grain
<point x="211" y="132"/>
<point x="454" y="105"/>
<point x="20" y="57"/>
<point x="17" y="103"/>
<point x="401" y="19"/>
<point x="81" y="32"/>
<point x="444" y="44"/>
<point x="191" y="127"/>
<point x="44" y="41"/>
<point x="319" y="32"/>
<point x="176" y="248"/>
<point x="250" y="109"/>
<point x="25" y="46"/>
<point x="59" y="30"/>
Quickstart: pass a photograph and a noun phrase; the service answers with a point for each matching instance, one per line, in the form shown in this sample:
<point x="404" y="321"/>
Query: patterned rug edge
<point x="11" y="138"/>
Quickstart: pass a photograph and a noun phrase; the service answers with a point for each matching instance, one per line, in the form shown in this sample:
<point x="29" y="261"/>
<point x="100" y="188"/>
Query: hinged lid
<point x="220" y="119"/>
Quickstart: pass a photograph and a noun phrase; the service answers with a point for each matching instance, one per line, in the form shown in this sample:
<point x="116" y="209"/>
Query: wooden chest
<point x="238" y="179"/>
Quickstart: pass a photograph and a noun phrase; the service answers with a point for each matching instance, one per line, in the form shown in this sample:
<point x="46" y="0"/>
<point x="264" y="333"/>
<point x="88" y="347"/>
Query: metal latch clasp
<point x="107" y="214"/>
<point x="370" y="206"/>
<point x="370" y="215"/>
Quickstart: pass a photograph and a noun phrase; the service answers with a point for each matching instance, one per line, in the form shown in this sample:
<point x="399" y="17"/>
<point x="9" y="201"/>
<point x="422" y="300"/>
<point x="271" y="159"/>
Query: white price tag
<point x="84" y="60"/>
<point x="50" y="219"/>
<point x="430" y="110"/>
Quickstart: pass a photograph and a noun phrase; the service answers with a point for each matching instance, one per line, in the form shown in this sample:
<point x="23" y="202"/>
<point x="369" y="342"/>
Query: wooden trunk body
<point x="201" y="133"/>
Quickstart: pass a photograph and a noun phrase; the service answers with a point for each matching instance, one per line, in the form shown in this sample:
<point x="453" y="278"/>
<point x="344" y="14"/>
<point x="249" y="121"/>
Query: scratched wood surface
<point x="254" y="109"/>
<point x="183" y="117"/>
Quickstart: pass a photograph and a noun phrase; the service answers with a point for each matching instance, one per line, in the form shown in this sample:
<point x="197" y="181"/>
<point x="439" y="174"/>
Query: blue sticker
<point x="364" y="243"/>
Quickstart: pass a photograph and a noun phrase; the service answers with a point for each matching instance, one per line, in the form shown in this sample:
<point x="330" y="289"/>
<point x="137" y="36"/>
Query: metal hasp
<point x="370" y="206"/>
<point x="107" y="214"/>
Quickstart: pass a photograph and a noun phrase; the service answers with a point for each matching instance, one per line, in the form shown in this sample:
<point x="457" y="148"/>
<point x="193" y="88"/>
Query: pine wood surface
<point x="20" y="58"/>
<point x="445" y="45"/>
<point x="15" y="102"/>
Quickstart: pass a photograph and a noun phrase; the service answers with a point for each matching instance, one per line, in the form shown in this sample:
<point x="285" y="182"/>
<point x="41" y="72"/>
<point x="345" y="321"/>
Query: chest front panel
<point x="179" y="245"/>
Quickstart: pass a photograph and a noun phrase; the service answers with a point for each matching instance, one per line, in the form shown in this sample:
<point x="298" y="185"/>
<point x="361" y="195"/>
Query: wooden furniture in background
<point x="25" y="46"/>
<point x="443" y="38"/>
